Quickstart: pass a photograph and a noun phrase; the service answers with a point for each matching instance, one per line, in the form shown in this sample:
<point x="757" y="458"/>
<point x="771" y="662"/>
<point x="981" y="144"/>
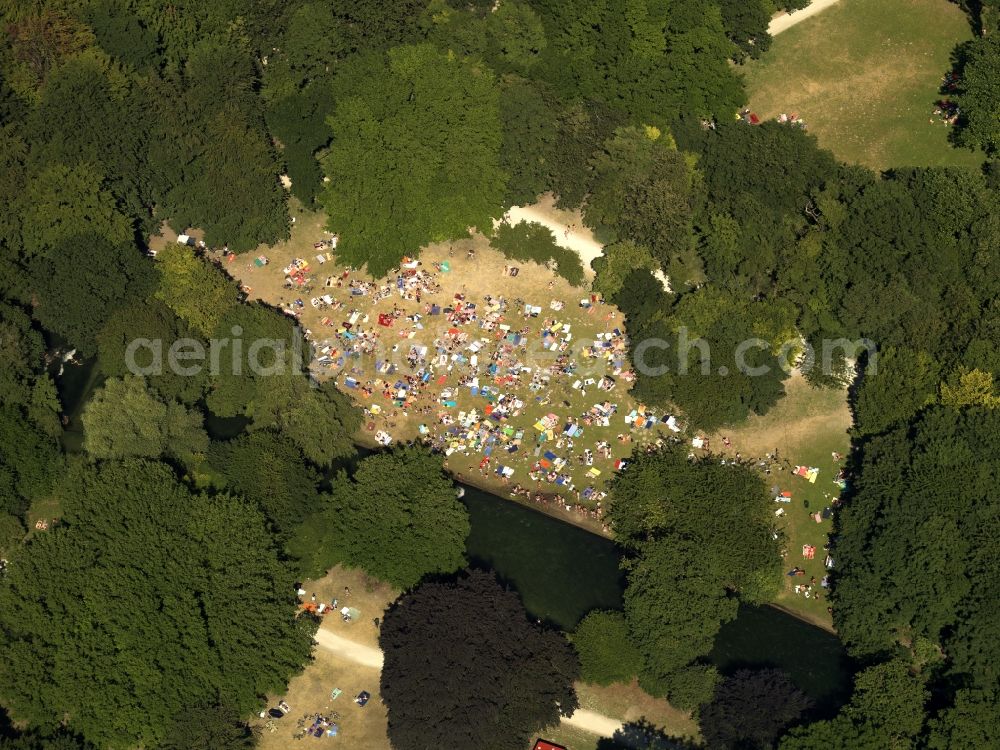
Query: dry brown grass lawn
<point x="309" y="692"/>
<point x="475" y="278"/>
<point x="793" y="426"/>
<point x="369" y="595"/>
<point x="807" y="427"/>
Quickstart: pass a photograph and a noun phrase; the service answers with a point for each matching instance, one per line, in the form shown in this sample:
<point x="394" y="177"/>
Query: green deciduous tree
<point x="582" y="128"/>
<point x="299" y="121"/>
<point x="122" y="33"/>
<point x="536" y="242"/>
<point x="321" y="420"/>
<point x="21" y="348"/>
<point x="259" y="372"/>
<point x="970" y="388"/>
<point x="643" y="191"/>
<point x="618" y="261"/>
<point x="415" y="156"/>
<point x="212" y="162"/>
<point x="689" y="687"/>
<point x="716" y="356"/>
<point x="646" y="59"/>
<point x="751" y="709"/>
<point x="529" y="112"/>
<point x="886" y="710"/>
<point x="840" y="733"/>
<point x="309" y="47"/>
<point x="209" y="728"/>
<point x="517" y="37"/>
<point x="63" y="202"/>
<point x="606" y="653"/>
<point x="82" y="283"/>
<point x="196" y="292"/>
<point x="884" y="399"/>
<point x="30" y="461"/>
<point x="371" y="25"/>
<point x="156" y="601"/>
<point x="41" y="38"/>
<point x="70" y="126"/>
<point x="971" y="722"/>
<point x="12" y="531"/>
<point x="500" y="679"/>
<point x="979" y="96"/>
<point x="926" y="488"/>
<point x="397" y="518"/>
<point x="125" y="419"/>
<point x="696" y="533"/>
<point x="136" y="339"/>
<point x="268" y="470"/>
<point x="31" y="739"/>
<point x="508" y="37"/>
<point x="746" y="23"/>
<point x="239" y="202"/>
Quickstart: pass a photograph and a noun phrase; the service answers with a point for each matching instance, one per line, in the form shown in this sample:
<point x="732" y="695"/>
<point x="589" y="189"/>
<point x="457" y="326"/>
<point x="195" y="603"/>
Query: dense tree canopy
<point x="30" y="461"/>
<point x="398" y="518"/>
<point x="30" y="458"/>
<point x="83" y="282"/>
<point x="155" y="600"/>
<point x="155" y="326"/>
<point x="63" y="202"/>
<point x="643" y="192"/>
<point x="887" y="710"/>
<point x="499" y="680"/>
<point x="932" y="488"/>
<point x="656" y="58"/>
<point x="606" y="652"/>
<point x="192" y="289"/>
<point x="746" y="23"/>
<point x="426" y="115"/>
<point x="125" y="419"/>
<point x="264" y="468"/>
<point x="750" y="709"/>
<point x="979" y="123"/>
<point x="209" y="728"/>
<point x="713" y="355"/>
<point x="697" y="533"/>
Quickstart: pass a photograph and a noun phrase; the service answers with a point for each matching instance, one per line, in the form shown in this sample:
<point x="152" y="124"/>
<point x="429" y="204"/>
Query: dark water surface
<point x="563" y="571"/>
<point x="767" y="637"/>
<point x="75" y="387"/>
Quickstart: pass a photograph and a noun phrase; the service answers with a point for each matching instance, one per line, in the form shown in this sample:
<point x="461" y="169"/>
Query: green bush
<point x="692" y="686"/>
<point x="11" y="533"/>
<point x="530" y="241"/>
<point x="606" y="653"/>
<point x="618" y="261"/>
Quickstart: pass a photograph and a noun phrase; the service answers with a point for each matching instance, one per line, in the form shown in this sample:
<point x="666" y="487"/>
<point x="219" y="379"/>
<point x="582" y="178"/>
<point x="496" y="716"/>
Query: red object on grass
<point x="546" y="745"/>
